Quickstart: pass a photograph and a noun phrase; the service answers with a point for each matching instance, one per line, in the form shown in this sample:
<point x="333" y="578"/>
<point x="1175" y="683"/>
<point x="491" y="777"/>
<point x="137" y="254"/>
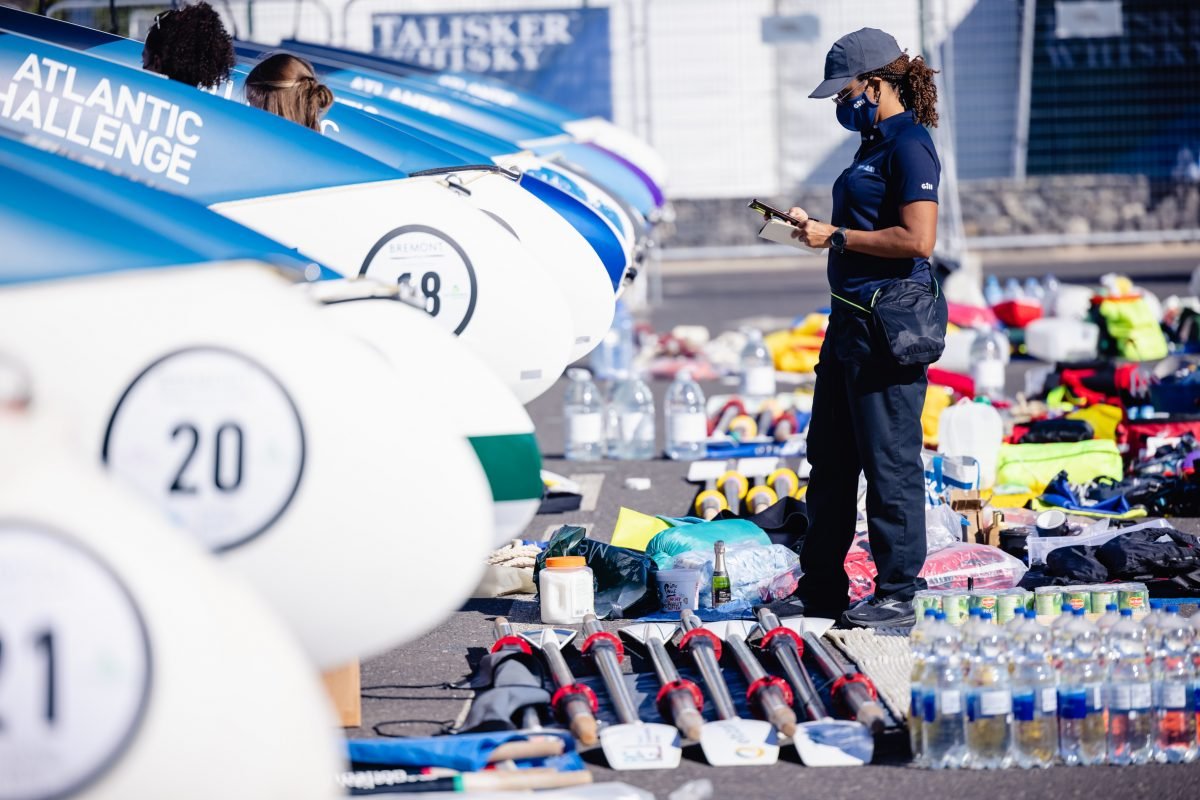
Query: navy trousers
<point x="866" y="417"/>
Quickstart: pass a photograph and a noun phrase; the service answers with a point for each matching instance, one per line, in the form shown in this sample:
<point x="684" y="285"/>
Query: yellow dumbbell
<point x="712" y="498"/>
<point x="760" y="498"/>
<point x="784" y="481"/>
<point x="734" y="486"/>
<point x="709" y="503"/>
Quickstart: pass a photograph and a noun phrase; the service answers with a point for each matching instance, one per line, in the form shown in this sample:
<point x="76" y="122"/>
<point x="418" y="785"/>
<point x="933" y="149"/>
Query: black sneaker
<point x="881" y="613"/>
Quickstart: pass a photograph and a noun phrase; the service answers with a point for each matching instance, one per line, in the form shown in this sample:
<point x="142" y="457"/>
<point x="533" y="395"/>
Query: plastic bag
<point x="749" y="566"/>
<point x="984" y="566"/>
<point x="781" y="586"/>
<point x="692" y="533"/>
<point x="943" y="527"/>
<point x="625" y="579"/>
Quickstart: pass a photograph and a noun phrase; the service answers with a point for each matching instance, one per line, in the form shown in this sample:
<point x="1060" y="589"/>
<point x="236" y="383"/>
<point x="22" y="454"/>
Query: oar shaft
<point x="864" y="707"/>
<point x="747" y="663"/>
<point x="605" y="655"/>
<point x="575" y="708"/>
<point x="529" y="717"/>
<point x="774" y="705"/>
<point x="784" y="650"/>
<point x="663" y="666"/>
<point x="705" y="657"/>
<point x="501" y="628"/>
<point x="680" y="702"/>
<point x="559" y="670"/>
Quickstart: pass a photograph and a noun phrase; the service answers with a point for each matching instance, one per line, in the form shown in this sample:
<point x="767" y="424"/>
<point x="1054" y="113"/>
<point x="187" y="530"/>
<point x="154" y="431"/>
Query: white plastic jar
<point x="566" y="590"/>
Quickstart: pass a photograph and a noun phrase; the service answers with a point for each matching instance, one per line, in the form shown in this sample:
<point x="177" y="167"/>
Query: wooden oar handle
<point x="524" y="780"/>
<point x="577" y="704"/>
<point x="536" y="747"/>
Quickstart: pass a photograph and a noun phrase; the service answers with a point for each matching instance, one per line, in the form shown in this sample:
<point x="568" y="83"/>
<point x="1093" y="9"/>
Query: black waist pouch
<point x="910" y="320"/>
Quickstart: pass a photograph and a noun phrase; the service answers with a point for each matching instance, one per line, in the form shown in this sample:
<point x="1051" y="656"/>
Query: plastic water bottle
<point x="993" y="295"/>
<point x="1083" y="738"/>
<point x="1152" y="622"/>
<point x="1013" y="290"/>
<point x="1059" y="640"/>
<point x="583" y="418"/>
<point x="943" y="727"/>
<point x="1110" y="618"/>
<point x="1130" y="694"/>
<point x="989" y="355"/>
<point x="1174" y="706"/>
<point x="1011" y="628"/>
<point x="1049" y="295"/>
<point x="623" y="323"/>
<point x="687" y="424"/>
<point x="1034" y="290"/>
<point x="989" y="701"/>
<point x="1032" y="635"/>
<point x="972" y="630"/>
<point x="758" y="368"/>
<point x="1035" y="698"/>
<point x="614" y="355"/>
<point x="632" y="438"/>
<point x="920" y="645"/>
<point x="1085" y="636"/>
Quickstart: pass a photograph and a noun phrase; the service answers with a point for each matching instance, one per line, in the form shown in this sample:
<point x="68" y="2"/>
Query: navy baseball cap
<point x="852" y="55"/>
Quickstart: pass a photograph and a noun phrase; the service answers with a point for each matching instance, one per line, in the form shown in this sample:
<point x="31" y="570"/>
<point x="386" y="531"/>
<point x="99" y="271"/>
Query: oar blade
<point x="543" y="637"/>
<point x="739" y="627"/>
<point x="739" y="742"/>
<point x="641" y="746"/>
<point x="834" y="743"/>
<point x="644" y="631"/>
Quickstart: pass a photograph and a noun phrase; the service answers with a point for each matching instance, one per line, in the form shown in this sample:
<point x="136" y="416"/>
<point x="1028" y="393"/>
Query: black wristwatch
<point x="837" y="240"/>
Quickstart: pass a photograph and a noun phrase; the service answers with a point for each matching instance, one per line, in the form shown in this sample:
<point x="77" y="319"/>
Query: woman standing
<point x="887" y="323"/>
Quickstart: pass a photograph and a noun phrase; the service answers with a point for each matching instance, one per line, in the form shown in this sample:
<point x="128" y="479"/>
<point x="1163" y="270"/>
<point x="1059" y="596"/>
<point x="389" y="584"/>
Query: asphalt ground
<point x="404" y="690"/>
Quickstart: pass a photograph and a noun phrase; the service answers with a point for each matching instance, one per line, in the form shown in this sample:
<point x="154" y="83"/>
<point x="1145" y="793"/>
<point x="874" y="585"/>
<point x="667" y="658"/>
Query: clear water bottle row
<point x="1117" y="691"/>
<point x="621" y="424"/>
<point x="1042" y="291"/>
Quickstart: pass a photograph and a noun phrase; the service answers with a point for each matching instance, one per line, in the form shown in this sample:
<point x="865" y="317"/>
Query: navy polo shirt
<point x="895" y="164"/>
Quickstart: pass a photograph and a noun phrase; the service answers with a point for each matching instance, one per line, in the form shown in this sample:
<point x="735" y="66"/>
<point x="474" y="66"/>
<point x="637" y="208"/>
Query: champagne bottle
<point x="720" y="579"/>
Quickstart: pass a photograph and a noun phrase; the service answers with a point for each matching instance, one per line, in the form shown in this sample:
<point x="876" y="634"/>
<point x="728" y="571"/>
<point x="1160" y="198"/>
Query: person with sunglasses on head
<point x="887" y="323"/>
<point x="190" y="45"/>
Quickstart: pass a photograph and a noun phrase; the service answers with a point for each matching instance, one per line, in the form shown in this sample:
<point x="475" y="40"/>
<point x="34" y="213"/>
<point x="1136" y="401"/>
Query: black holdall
<point x="909" y="320"/>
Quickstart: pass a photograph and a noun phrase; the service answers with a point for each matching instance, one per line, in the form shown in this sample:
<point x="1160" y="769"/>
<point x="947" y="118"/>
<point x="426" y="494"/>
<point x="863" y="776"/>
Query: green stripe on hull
<point x="512" y="463"/>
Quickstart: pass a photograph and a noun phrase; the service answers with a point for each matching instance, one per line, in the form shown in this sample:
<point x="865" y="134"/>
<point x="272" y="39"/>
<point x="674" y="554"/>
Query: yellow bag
<point x="1103" y="418"/>
<point x="937" y="400"/>
<point x="798" y="349"/>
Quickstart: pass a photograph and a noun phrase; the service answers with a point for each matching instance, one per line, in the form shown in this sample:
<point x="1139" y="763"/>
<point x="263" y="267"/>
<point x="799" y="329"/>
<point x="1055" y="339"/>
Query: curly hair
<point x="287" y="86"/>
<point x="190" y="45"/>
<point x="913" y="79"/>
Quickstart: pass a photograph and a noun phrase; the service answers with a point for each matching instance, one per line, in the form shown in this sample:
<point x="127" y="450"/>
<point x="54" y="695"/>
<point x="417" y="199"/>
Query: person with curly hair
<point x="190" y="45"/>
<point x="871" y="377"/>
<point x="287" y="87"/>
